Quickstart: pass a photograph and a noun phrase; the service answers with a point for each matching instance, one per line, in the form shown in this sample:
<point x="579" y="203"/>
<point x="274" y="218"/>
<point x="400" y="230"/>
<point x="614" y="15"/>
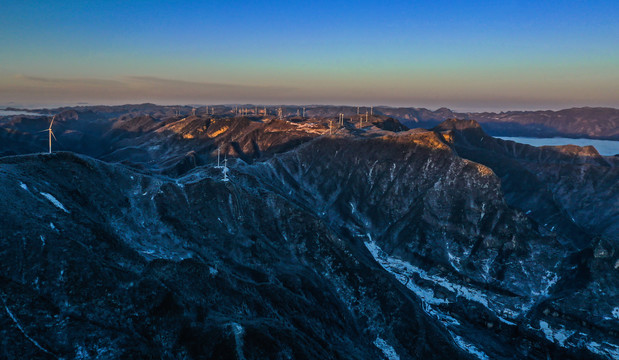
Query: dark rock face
<point x="140" y="266"/>
<point x="364" y="244"/>
<point x="570" y="181"/>
<point x="571" y="192"/>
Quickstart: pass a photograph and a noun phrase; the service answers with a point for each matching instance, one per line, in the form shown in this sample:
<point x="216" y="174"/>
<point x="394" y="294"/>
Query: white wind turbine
<point x="225" y="168"/>
<point x="51" y="133"/>
<point x="218" y="156"/>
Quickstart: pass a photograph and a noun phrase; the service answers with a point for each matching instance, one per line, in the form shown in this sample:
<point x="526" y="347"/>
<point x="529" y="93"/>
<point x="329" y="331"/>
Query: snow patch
<point x="606" y="349"/>
<point x="454" y="261"/>
<point x="503" y="320"/>
<point x="212" y="271"/>
<point x="54" y="201"/>
<point x="402" y="272"/>
<point x="387" y="349"/>
<point x="509" y="313"/>
<point x="557" y="336"/>
<point x="445" y="319"/>
<point x="52" y="226"/>
<point x="42" y="240"/>
<point x="403" y="268"/>
<point x="238" y="338"/>
<point x="550" y="279"/>
<point x="483" y="212"/>
<point x="470" y="348"/>
<point x="616" y="313"/>
<point x="23" y="186"/>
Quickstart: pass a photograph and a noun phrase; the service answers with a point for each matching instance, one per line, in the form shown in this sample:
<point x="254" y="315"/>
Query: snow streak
<point x="387" y="349"/>
<point x="55" y="201"/>
<point x="24" y="331"/>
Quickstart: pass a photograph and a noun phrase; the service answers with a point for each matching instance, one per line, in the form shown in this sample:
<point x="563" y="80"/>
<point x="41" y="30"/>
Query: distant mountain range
<point x="583" y="122"/>
<point x="586" y="122"/>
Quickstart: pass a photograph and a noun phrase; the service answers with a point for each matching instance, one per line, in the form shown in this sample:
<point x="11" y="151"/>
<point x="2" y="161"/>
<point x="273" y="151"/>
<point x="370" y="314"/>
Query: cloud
<point x="27" y="88"/>
<point x="60" y="81"/>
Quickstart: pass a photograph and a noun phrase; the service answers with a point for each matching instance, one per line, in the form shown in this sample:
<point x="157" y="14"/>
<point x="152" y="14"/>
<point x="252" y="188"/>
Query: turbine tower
<point x="225" y="169"/>
<point x="218" y="152"/>
<point x="51" y="133"/>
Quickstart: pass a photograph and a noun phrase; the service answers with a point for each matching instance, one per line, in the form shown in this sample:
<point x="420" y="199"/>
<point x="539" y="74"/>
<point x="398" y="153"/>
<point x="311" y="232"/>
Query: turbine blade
<point x="51" y="132"/>
<point x="50" y="124"/>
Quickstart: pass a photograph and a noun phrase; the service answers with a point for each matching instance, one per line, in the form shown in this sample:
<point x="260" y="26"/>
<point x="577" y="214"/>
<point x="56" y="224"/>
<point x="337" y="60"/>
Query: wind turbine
<point x="218" y="152"/>
<point x="225" y="169"/>
<point x="51" y="133"/>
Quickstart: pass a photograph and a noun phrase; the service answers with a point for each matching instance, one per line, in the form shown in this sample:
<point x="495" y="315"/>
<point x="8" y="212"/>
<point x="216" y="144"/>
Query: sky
<point x="465" y="55"/>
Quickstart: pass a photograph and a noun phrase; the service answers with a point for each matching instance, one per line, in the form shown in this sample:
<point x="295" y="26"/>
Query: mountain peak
<point x="457" y="124"/>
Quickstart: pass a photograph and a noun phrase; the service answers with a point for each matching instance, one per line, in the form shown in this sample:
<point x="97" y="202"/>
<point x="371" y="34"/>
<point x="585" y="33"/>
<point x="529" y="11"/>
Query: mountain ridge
<point x="326" y="241"/>
<point x="576" y="122"/>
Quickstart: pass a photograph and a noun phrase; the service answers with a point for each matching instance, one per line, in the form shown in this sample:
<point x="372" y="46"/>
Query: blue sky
<point x="461" y="54"/>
